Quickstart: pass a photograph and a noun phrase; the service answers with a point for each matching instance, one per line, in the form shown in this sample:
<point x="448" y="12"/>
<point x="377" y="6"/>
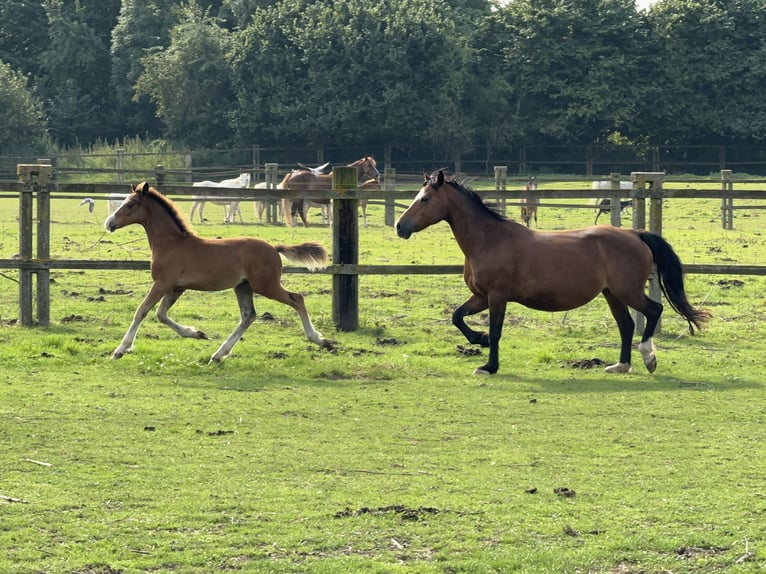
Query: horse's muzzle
<point x="109" y="224"/>
<point x="403" y="231"/>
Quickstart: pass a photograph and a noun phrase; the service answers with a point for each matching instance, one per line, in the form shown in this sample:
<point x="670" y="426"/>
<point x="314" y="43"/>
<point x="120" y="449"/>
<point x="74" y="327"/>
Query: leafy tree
<point x="712" y="72"/>
<point x="142" y="26"/>
<point x="76" y="67"/>
<point x="352" y="72"/>
<point x="23" y="34"/>
<point x="189" y="81"/>
<point x="574" y="69"/>
<point x="22" y="123"/>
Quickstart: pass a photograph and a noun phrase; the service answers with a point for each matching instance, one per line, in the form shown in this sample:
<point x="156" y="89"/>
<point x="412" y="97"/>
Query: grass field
<point x="387" y="454"/>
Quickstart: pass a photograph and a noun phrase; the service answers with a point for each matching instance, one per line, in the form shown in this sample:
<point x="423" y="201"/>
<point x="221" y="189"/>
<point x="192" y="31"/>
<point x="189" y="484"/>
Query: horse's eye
<point x="424" y="199"/>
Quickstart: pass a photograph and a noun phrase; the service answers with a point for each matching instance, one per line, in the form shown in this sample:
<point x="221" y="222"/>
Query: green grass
<point x="386" y="455"/>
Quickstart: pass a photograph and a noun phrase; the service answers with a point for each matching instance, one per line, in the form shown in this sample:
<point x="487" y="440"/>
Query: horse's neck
<point x="472" y="225"/>
<point x="161" y="227"/>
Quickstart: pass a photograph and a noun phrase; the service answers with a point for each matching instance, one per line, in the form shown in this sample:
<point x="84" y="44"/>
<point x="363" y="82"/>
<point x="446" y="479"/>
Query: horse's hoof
<point x="651" y="363"/>
<point x="116" y="355"/>
<point x="618" y="368"/>
<point x="214" y="361"/>
<point x="201" y="335"/>
<point x="485" y="370"/>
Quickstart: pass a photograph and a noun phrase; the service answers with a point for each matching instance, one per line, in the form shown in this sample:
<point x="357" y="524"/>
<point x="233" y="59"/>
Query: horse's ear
<point x="440" y="178"/>
<point x="426" y="177"/>
<point x="142" y="188"/>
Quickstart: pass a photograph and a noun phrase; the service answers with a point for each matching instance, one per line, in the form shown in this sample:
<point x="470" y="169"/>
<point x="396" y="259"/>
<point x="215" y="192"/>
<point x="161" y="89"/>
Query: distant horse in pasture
<point x="529" y="204"/>
<point x="183" y="260"/>
<point x="604" y="205"/>
<point x="230" y="206"/>
<point x="306" y="180"/>
<point x="550" y="271"/>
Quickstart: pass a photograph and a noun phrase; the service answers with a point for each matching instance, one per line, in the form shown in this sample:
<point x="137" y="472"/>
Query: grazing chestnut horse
<point x="529" y="204"/>
<point x="305" y="179"/>
<point x="183" y="260"/>
<point x="550" y="271"/>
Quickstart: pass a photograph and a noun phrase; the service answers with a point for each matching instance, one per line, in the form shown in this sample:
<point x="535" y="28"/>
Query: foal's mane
<point x="176" y="215"/>
<point x="474" y="199"/>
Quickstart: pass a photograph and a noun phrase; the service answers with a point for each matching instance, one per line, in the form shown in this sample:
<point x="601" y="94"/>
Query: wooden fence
<point x="35" y="184"/>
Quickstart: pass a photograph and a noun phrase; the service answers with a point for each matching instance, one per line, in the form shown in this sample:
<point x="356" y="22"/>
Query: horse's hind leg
<point x="626" y="325"/>
<point x="162" y="314"/>
<point x="652" y="310"/>
<point x="246" y="317"/>
<point x="474" y="304"/>
<point x="295" y="300"/>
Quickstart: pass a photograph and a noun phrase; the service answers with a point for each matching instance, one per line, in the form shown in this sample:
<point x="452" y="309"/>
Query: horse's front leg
<point x="475" y="304"/>
<point x="496" y="319"/>
<point x="162" y="314"/>
<point x="126" y="345"/>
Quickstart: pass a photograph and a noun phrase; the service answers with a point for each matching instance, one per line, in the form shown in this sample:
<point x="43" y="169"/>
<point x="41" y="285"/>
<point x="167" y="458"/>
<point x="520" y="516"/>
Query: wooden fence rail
<point x="35" y="184"/>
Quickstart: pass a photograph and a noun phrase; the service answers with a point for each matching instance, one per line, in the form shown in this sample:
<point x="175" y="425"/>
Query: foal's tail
<point x="671" y="279"/>
<point x="311" y="254"/>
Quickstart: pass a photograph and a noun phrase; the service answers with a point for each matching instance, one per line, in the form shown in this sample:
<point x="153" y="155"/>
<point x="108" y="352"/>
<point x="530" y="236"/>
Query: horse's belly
<point x="560" y="298"/>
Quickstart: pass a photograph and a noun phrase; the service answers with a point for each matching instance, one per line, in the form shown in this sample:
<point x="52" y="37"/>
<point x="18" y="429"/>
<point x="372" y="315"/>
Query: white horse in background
<point x="230" y="206"/>
<point x="604" y="205"/>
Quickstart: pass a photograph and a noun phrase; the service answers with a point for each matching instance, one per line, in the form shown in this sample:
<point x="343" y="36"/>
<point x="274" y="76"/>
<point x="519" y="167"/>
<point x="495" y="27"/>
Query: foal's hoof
<point x="618" y="368"/>
<point x="201" y="335"/>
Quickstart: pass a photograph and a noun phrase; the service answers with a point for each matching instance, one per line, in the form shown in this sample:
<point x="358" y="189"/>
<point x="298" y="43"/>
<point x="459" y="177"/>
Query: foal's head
<point x="139" y="206"/>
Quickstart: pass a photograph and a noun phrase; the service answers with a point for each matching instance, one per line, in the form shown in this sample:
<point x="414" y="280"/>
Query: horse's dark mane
<point x="170" y="208"/>
<point x="474" y="198"/>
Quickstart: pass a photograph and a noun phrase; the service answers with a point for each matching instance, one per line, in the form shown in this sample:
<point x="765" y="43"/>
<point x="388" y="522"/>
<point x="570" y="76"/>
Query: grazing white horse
<point x="604" y="205"/>
<point x="230" y="206"/>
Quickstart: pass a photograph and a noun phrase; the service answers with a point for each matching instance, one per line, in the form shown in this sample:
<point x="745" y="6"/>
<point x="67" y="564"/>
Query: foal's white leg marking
<point x="646" y="348"/>
<point x="311" y="333"/>
<point x="226" y="347"/>
<point x="126" y="345"/>
<point x="619" y="368"/>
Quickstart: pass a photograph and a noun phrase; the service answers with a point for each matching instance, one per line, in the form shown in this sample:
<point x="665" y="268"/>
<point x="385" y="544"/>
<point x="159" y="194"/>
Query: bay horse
<point x="304" y="179"/>
<point x="230" y="206"/>
<point x="550" y="271"/>
<point x="183" y="260"/>
<point x="529" y="204"/>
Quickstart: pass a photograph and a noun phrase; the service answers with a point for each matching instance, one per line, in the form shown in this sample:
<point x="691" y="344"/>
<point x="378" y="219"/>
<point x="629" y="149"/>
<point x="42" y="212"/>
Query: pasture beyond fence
<point x="36" y="185"/>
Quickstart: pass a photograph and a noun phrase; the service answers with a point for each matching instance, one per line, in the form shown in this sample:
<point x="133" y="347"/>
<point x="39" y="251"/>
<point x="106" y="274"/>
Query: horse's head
<point x="244" y="179"/>
<point x="132" y="210"/>
<point x="428" y="207"/>
<point x="367" y="168"/>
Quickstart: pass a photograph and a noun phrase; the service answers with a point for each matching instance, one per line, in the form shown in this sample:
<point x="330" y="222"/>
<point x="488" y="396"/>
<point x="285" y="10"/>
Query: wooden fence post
<point x="640" y="180"/>
<point x="389" y="185"/>
<point x="272" y="180"/>
<point x="345" y="246"/>
<point x="615" y="208"/>
<point x="727" y="201"/>
<point x="36" y="180"/>
<point x="501" y="184"/>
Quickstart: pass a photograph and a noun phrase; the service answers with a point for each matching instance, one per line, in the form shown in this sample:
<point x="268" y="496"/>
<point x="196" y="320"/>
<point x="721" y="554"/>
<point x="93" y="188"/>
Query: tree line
<point x="450" y="76"/>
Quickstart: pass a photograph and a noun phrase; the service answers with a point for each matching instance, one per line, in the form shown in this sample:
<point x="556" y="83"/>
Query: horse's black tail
<point x="671" y="279"/>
